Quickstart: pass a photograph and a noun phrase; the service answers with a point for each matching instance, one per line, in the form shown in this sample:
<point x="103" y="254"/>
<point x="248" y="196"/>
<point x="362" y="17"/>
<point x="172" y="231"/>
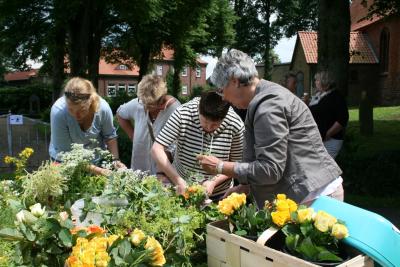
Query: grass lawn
<point x="384" y="146"/>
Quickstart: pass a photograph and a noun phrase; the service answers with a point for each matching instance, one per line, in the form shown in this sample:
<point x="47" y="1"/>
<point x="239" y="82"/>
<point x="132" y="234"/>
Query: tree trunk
<point x="57" y="53"/>
<point x="267" y="41"/>
<point x="144" y="61"/>
<point x="333" y="40"/>
<point x="79" y="34"/>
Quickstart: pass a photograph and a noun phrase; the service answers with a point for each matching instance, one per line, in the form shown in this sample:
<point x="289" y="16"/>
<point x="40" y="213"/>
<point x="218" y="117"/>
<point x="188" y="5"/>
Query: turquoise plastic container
<point x="369" y="232"/>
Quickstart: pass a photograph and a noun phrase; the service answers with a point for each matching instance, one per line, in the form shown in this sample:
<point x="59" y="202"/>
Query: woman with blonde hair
<point x="81" y="116"/>
<point x="143" y="117"/>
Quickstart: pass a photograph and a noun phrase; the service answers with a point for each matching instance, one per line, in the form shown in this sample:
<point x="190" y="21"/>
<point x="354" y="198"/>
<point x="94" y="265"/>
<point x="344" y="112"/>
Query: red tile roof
<point x="358" y="11"/>
<point x="21" y="75"/>
<point x="360" y="50"/>
<point x="112" y="69"/>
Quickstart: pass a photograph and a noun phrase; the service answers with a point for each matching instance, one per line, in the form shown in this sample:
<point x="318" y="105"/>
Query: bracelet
<point x="220" y="167"/>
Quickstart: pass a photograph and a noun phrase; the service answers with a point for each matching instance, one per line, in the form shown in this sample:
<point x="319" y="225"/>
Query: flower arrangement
<point x="95" y="247"/>
<point x="40" y="239"/>
<point x="309" y="235"/>
<point x="194" y="195"/>
<point x="20" y="161"/>
<point x="244" y="220"/>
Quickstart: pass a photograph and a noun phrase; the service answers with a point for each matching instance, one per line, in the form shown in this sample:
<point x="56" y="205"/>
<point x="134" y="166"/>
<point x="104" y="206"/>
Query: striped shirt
<point x="183" y="127"/>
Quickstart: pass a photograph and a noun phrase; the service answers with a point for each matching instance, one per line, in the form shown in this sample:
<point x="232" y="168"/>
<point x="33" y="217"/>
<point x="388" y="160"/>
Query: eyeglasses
<point x="220" y="92"/>
<point x="77" y="97"/>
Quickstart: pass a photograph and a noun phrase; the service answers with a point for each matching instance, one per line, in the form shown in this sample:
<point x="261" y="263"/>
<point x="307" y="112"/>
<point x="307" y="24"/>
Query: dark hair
<point x="290" y="74"/>
<point x="212" y="106"/>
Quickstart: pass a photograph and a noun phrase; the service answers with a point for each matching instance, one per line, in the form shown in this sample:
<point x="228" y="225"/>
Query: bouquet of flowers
<point x="94" y="247"/>
<point x="309" y="235"/>
<point x="195" y="195"/>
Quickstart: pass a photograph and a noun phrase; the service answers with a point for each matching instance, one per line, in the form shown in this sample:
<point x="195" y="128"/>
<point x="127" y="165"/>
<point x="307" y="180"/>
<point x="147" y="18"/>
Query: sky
<point x="284" y="49"/>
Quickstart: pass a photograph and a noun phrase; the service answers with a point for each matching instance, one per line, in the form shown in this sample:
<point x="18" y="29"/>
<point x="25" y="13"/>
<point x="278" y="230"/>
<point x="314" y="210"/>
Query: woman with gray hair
<point x="283" y="151"/>
<point x="143" y="117"/>
<point x="330" y="112"/>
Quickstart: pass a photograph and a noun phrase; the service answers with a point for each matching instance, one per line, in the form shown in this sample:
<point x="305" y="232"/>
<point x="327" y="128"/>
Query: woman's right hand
<point x="180" y="186"/>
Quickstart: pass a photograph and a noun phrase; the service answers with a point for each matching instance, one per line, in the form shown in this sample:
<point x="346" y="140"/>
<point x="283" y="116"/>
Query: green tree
<point x="382" y="8"/>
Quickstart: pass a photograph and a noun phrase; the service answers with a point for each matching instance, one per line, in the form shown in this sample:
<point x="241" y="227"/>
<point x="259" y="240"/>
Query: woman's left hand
<point x="208" y="163"/>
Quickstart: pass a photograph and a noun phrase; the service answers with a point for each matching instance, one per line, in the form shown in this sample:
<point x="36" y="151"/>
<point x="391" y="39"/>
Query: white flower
<point x="37" y="210"/>
<point x="20" y="216"/>
<point x="25" y="216"/>
<point x="63" y="215"/>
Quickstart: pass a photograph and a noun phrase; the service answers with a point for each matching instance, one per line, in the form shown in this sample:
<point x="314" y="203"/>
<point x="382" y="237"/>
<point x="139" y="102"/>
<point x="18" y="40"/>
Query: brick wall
<point x="389" y="82"/>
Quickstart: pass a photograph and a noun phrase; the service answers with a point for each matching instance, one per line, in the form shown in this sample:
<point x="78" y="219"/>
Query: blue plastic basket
<point x="369" y="232"/>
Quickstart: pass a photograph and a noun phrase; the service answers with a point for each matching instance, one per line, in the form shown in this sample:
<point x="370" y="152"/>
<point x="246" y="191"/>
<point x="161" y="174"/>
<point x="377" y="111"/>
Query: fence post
<point x="9" y="134"/>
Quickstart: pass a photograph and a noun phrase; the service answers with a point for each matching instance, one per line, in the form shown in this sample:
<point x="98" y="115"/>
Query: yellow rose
<point x="26" y="153"/>
<point x="137" y="236"/>
<point x="339" y="231"/>
<point x="157" y="253"/>
<point x="304" y="215"/>
<point x="280" y="217"/>
<point x="281" y="196"/>
<point x="281" y="205"/>
<point x="292" y="205"/>
<point x="324" y="221"/>
<point x="111" y="239"/>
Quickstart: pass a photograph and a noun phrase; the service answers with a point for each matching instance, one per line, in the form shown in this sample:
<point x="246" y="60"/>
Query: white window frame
<point x="122" y="67"/>
<point x="131" y="88"/>
<point x="184" y="71"/>
<point x="111" y="86"/>
<point x="198" y="72"/>
<point x="184" y="90"/>
<point x="121" y="87"/>
<point x="159" y="70"/>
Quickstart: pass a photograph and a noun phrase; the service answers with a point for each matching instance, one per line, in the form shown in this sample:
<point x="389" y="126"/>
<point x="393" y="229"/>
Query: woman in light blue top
<point x="82" y="116"/>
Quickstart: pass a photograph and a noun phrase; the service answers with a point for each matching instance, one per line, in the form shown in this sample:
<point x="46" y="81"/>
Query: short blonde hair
<point x="79" y="86"/>
<point x="151" y="88"/>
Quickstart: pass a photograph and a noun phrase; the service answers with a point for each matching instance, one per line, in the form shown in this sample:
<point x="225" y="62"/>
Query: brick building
<point x="384" y="37"/>
<point x="117" y="77"/>
<point x="374" y="57"/>
<point x="362" y="69"/>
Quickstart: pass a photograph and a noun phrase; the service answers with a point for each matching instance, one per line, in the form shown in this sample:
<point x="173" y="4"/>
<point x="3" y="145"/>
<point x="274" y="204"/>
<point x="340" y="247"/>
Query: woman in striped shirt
<point x="206" y="125"/>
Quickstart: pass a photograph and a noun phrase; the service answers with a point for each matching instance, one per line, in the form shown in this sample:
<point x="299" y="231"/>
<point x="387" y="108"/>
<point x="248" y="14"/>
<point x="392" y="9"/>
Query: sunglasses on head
<point x="77" y="97"/>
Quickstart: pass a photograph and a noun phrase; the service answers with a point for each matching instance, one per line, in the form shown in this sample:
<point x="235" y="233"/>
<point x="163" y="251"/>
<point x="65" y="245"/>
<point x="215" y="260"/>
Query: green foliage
<point x="16" y="99"/>
<point x="159" y="212"/>
<point x="367" y="159"/>
<point x="381" y="8"/>
<point x="121" y="98"/>
<point x="39" y="240"/>
<point x="44" y="185"/>
<point x="249" y="221"/>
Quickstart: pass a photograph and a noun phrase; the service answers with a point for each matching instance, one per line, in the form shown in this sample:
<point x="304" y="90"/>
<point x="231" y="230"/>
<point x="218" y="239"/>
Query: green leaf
<point x="185" y="218"/>
<point x="124" y="248"/>
<point x="326" y="255"/>
<point x="241" y="232"/>
<point x="10" y="234"/>
<point x="308" y="249"/>
<point x="65" y="237"/>
<point x="54" y="249"/>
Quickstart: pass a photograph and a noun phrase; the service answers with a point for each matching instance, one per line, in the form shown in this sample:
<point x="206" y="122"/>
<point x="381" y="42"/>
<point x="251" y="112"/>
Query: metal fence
<point x="14" y="138"/>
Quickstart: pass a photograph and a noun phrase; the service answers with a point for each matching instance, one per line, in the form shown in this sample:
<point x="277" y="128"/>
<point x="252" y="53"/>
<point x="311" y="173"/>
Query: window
<point x="184" y="71"/>
<point x="122" y="67"/>
<point x="121" y="88"/>
<point x="131" y="89"/>
<point x="384" y="50"/>
<point x="184" y="90"/>
<point x="198" y="72"/>
<point x="159" y="70"/>
<point x="111" y="90"/>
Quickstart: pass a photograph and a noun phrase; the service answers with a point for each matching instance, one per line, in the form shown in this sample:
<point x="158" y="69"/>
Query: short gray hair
<point x="234" y="64"/>
<point x="326" y="78"/>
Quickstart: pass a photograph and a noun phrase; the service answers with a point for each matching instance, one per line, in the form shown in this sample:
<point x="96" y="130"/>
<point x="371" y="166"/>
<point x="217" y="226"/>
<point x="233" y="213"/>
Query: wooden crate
<point x="229" y="250"/>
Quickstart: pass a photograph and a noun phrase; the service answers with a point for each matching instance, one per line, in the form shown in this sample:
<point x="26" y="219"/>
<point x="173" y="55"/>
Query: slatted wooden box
<point x="229" y="250"/>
